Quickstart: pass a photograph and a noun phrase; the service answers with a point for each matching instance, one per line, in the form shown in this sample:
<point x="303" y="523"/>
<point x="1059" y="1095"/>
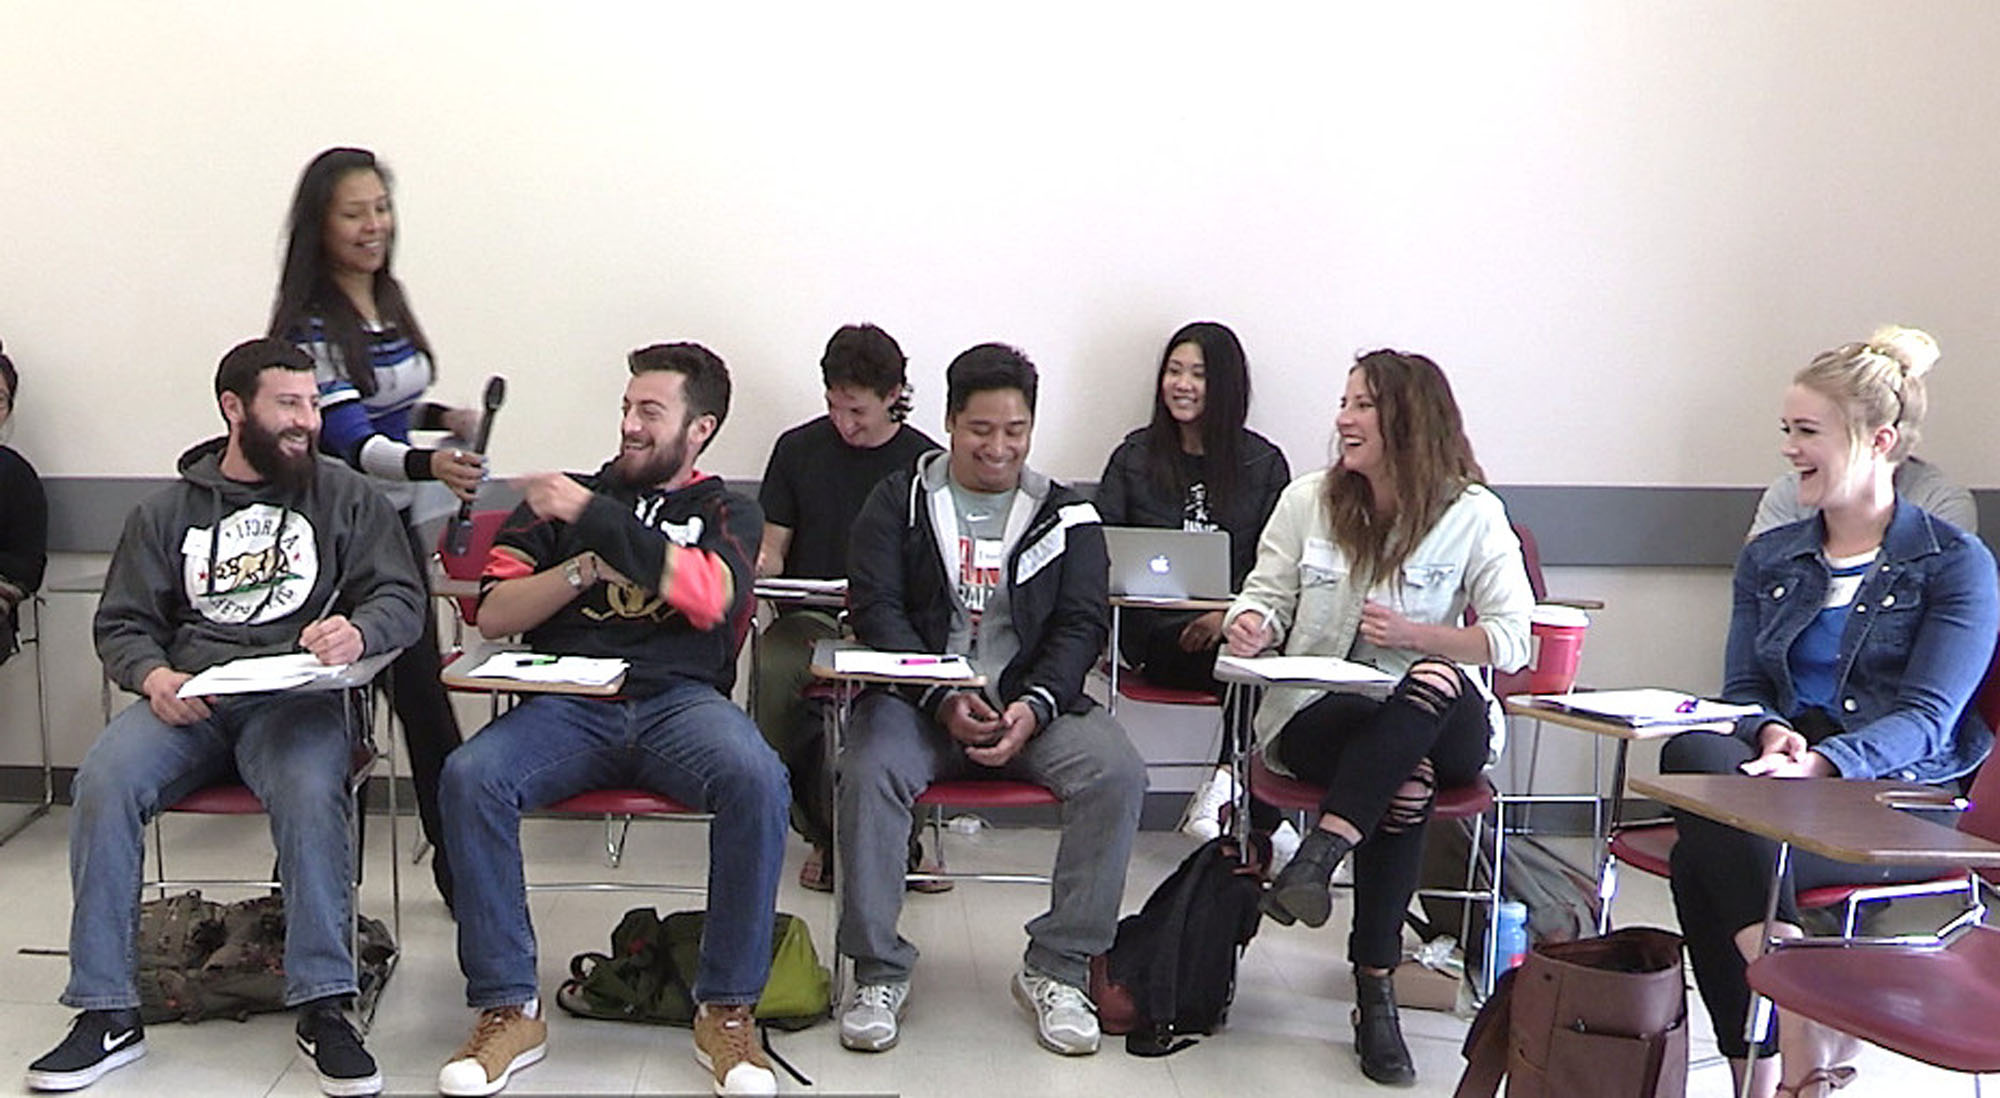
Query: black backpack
<point x="1171" y="970"/>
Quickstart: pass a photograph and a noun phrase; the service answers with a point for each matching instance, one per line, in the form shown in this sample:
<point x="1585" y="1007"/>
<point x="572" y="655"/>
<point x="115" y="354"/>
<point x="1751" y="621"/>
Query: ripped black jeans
<point x="1381" y="762"/>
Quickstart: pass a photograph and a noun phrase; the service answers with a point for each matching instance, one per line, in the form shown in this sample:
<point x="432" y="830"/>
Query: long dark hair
<point x="1225" y="407"/>
<point x="306" y="289"/>
<point x="1425" y="453"/>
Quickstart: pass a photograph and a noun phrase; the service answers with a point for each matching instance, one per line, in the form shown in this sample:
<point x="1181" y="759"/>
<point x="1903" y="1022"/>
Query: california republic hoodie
<point x="214" y="569"/>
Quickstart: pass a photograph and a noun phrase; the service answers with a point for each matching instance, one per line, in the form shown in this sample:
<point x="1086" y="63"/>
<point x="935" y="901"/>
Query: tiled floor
<point x="1288" y="1033"/>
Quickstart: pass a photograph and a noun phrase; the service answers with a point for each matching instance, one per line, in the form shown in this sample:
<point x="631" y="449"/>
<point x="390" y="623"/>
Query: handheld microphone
<point x="459" y="539"/>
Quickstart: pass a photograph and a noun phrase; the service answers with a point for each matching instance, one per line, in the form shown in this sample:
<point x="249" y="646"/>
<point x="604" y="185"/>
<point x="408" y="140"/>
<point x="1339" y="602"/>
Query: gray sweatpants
<point x="893" y="752"/>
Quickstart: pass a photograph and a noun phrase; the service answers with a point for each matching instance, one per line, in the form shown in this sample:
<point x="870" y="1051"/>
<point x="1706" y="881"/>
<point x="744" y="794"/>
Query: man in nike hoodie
<point x="651" y="562"/>
<point x="263" y="548"/>
<point x="973" y="553"/>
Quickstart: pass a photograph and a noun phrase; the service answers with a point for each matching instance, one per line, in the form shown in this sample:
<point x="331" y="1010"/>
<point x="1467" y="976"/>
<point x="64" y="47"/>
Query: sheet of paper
<point x="901" y="665"/>
<point x="781" y="586"/>
<point x="536" y="667"/>
<point x="257" y="674"/>
<point x="1325" y="672"/>
<point x="1649" y="705"/>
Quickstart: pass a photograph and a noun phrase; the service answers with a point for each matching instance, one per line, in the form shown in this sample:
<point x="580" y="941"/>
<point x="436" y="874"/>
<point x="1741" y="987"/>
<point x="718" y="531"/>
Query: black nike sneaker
<point x="326" y="1038"/>
<point x="99" y="1041"/>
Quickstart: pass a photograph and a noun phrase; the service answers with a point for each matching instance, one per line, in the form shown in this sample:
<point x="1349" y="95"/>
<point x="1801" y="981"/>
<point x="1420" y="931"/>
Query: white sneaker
<point x="1284" y="844"/>
<point x="1065" y="1018"/>
<point x="873" y="1021"/>
<point x="1203" y="818"/>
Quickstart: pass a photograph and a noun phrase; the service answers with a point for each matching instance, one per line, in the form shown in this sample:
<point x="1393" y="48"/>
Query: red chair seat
<point x="1290" y="794"/>
<point x="1281" y="792"/>
<point x="1463" y="802"/>
<point x="821" y="690"/>
<point x="1931" y="1004"/>
<point x="987" y="793"/>
<point x="220" y="800"/>
<point x="233" y="798"/>
<point x="1649" y="847"/>
<point x="1836" y="895"/>
<point x="620" y="802"/>
<point x="1134" y="686"/>
<point x="1646" y="848"/>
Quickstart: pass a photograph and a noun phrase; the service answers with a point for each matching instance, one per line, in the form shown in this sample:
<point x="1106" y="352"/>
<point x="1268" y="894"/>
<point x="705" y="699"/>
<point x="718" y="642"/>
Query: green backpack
<point x="649" y="974"/>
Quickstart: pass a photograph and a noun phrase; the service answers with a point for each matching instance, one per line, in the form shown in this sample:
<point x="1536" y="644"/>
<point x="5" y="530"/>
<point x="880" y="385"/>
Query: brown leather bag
<point x="1604" y="1017"/>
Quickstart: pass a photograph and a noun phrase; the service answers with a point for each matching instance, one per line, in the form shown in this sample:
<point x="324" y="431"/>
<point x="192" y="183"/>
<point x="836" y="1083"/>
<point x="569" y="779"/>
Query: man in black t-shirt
<point x="648" y="561"/>
<point x="819" y="475"/>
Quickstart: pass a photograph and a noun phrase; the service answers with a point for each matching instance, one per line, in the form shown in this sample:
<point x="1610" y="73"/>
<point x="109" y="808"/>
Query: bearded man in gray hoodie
<point x="262" y="548"/>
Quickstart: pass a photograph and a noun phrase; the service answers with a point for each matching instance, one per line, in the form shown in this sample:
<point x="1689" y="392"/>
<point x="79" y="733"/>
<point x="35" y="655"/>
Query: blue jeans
<point x="687" y="742"/>
<point x="295" y="752"/>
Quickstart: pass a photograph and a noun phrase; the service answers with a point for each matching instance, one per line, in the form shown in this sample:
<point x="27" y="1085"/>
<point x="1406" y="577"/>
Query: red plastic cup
<point x="1555" y="636"/>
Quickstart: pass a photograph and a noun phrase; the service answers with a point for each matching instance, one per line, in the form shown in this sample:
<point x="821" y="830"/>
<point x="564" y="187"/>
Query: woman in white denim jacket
<point x="1378" y="559"/>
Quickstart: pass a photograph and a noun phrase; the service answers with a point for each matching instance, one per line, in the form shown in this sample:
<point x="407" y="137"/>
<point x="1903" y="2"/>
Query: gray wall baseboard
<point x="1576" y="525"/>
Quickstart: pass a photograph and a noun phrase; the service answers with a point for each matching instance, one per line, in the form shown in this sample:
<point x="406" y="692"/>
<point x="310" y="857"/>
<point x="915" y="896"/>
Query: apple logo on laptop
<point x="1159" y="565"/>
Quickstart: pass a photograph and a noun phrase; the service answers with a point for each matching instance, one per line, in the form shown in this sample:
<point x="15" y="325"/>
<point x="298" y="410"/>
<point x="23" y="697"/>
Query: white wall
<point x="1621" y="221"/>
<point x="1617" y="223"/>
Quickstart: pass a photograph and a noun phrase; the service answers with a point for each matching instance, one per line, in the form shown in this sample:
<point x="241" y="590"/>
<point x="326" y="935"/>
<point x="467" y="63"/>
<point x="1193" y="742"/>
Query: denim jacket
<point x="1912" y="655"/>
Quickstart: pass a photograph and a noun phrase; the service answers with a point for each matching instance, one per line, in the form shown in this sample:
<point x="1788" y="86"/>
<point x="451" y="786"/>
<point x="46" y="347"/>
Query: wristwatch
<point x="573" y="572"/>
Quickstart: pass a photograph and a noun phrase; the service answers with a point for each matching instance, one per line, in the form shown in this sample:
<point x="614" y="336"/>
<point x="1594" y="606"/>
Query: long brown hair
<point x="1425" y="453"/>
<point x="306" y="290"/>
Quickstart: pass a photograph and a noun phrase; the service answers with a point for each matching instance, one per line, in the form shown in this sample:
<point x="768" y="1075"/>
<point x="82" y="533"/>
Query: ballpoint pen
<point x="325" y="612"/>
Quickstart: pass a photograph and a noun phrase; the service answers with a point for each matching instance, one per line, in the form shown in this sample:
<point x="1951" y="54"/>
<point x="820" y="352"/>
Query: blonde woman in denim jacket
<point x="1377" y="559"/>
<point x="1863" y="633"/>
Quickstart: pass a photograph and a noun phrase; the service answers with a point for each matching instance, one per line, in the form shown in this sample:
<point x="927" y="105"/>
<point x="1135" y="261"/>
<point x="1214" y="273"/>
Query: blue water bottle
<point x="1511" y="946"/>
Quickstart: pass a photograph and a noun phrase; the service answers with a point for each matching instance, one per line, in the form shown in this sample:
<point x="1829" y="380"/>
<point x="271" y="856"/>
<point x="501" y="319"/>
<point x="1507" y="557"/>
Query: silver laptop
<point x="1157" y="563"/>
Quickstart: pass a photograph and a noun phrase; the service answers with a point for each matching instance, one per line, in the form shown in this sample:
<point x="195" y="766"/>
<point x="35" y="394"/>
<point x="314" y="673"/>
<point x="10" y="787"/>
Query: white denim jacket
<point x="1304" y="586"/>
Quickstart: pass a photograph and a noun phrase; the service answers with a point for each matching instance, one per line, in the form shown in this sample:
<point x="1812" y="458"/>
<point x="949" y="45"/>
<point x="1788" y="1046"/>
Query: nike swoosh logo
<point x="311" y="1047"/>
<point x="113" y="1040"/>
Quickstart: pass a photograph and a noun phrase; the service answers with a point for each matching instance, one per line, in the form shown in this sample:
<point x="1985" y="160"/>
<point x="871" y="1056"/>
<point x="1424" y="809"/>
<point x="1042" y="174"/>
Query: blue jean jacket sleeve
<point x="1947" y="662"/>
<point x="1743" y="681"/>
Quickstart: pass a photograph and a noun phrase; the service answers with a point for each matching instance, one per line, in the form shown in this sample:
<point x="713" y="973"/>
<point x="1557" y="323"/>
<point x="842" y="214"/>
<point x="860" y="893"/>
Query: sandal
<point x="1832" y="1078"/>
<point x="816" y="872"/>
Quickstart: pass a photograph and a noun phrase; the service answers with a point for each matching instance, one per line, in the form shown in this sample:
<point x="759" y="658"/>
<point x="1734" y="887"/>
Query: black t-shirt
<point x="815" y="484"/>
<point x="1196" y="514"/>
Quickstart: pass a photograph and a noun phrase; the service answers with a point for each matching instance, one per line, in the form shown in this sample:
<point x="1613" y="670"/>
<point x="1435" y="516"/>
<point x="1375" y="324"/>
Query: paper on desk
<point x="257" y="674"/>
<point x="782" y="585"/>
<point x="900" y="665"/>
<point x="1649" y="706"/>
<point x="1323" y="672"/>
<point x="535" y="667"/>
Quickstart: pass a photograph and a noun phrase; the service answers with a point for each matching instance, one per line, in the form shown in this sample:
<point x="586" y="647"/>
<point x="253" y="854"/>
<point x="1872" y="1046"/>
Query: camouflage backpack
<point x="200" y="959"/>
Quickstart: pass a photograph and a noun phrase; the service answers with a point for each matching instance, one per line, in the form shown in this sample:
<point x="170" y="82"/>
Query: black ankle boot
<point x="1378" y="1032"/>
<point x="1300" y="894"/>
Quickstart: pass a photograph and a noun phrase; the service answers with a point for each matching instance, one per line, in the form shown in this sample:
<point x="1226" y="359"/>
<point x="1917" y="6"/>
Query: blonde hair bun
<point x="1912" y="348"/>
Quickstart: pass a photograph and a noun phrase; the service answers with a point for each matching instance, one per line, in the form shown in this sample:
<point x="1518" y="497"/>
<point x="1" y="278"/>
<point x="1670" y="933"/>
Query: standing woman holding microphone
<point x="1377" y="559"/>
<point x="339" y="302"/>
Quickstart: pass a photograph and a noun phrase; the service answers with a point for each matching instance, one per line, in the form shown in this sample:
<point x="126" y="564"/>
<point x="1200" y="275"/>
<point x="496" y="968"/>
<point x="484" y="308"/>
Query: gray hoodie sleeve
<point x="135" y="617"/>
<point x="378" y="578"/>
